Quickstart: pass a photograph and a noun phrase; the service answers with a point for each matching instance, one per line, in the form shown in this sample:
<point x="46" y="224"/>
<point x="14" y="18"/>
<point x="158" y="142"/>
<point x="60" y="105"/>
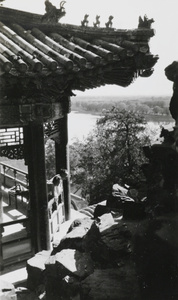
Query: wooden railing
<point x="15" y="181"/>
<point x="56" y="218"/>
<point x="16" y="190"/>
<point x="15" y="247"/>
<point x="15" y="235"/>
<point x="16" y="195"/>
<point x="13" y="176"/>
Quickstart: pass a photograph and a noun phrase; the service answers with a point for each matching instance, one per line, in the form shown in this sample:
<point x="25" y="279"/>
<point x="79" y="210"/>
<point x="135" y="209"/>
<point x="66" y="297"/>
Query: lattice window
<point x="11" y="136"/>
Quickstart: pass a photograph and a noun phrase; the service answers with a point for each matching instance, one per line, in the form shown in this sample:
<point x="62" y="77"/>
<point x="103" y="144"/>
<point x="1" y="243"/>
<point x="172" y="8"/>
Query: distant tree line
<point x="152" y="106"/>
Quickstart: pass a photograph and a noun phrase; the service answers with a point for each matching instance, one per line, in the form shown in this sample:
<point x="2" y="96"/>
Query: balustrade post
<point x="4" y="168"/>
<point x="15" y="177"/>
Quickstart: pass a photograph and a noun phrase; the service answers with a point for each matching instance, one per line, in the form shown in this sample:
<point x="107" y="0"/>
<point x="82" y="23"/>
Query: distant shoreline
<point x="153" y="108"/>
<point x="158" y="118"/>
<point x="148" y="117"/>
<point x="122" y="98"/>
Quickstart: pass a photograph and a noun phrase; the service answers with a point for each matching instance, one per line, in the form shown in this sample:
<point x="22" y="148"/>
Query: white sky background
<point x="126" y="14"/>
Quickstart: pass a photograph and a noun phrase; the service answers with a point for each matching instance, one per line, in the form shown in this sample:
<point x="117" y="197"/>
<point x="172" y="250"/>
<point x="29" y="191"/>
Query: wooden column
<point x="176" y="185"/>
<point x="62" y="162"/>
<point x="1" y="198"/>
<point x="1" y="228"/>
<point x="35" y="156"/>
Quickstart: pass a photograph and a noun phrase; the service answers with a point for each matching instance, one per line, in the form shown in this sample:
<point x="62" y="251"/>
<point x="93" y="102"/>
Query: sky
<point x="126" y="14"/>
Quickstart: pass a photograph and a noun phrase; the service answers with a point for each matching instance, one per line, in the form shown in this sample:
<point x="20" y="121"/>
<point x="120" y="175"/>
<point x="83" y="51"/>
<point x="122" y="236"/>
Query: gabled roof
<point x="71" y="57"/>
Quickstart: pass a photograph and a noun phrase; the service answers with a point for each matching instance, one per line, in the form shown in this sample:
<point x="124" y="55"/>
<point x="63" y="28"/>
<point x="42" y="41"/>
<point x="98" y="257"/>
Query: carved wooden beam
<point x="12" y="152"/>
<point x="21" y="115"/>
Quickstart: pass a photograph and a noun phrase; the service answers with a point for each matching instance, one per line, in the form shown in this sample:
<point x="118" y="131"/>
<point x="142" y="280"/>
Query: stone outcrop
<point x="35" y="269"/>
<point x="7" y="291"/>
<point x="74" y="236"/>
<point x="71" y="262"/>
<point x="94" y="252"/>
<point x="111" y="283"/>
<point x="111" y="258"/>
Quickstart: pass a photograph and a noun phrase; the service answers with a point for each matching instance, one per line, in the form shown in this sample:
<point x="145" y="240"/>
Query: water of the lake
<point x="81" y="124"/>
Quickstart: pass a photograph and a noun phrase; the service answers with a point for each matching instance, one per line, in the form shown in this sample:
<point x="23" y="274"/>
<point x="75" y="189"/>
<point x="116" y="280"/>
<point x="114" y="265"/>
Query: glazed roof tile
<point x="88" y="56"/>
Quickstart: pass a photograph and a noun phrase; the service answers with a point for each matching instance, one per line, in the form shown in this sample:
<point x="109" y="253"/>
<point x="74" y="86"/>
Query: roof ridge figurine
<point x="109" y="23"/>
<point x="85" y="21"/>
<point x="1" y="2"/>
<point x="145" y="22"/>
<point x="53" y="14"/>
<point x="97" y="22"/>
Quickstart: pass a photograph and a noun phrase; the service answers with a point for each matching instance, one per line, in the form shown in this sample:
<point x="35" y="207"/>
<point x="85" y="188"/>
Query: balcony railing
<point x="16" y="243"/>
<point x="15" y="194"/>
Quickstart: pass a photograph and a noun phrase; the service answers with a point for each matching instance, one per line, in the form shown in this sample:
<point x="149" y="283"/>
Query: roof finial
<point x="145" y="23"/>
<point x="53" y="14"/>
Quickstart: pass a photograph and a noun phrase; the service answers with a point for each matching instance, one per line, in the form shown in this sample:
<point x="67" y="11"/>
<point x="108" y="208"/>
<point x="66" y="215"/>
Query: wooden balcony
<point x="15" y="233"/>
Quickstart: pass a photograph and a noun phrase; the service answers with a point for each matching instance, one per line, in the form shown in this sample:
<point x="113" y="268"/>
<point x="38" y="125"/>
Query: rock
<point x="51" y="279"/>
<point x="108" y="241"/>
<point x="35" y="269"/>
<point x="89" y="210"/>
<point x="114" y="284"/>
<point x="70" y="287"/>
<point x="7" y="291"/>
<point x="66" y="289"/>
<point x="116" y="241"/>
<point x="50" y="267"/>
<point x="155" y="251"/>
<point x="91" y="242"/>
<point x="64" y="272"/>
<point x="168" y="229"/>
<point x="74" y="236"/>
<point x="84" y="222"/>
<point x="75" y="263"/>
<point x="25" y="294"/>
<point x="134" y="210"/>
<point x="101" y="210"/>
<point x="105" y="221"/>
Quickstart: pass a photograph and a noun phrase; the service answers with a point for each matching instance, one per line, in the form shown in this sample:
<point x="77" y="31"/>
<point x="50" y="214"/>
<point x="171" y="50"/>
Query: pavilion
<point x="42" y="63"/>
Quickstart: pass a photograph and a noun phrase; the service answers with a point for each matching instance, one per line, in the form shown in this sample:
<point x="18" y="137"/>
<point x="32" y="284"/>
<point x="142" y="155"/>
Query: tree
<point x="112" y="153"/>
<point x="157" y="109"/>
<point x="50" y="158"/>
